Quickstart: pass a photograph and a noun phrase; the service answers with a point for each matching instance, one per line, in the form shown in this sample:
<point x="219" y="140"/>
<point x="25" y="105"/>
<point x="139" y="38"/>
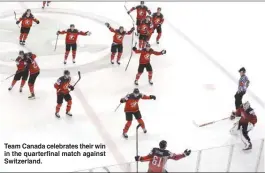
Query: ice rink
<point x="196" y="80"/>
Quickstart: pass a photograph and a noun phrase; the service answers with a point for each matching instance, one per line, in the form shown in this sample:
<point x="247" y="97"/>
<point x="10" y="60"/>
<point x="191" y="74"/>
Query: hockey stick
<point x="7" y="78"/>
<point x="79" y="77"/>
<point x="117" y="107"/>
<point x="137" y="139"/>
<point x="209" y="123"/>
<point x="56" y="42"/>
<point x="16" y="18"/>
<point x="127" y="12"/>
<point x="130" y="55"/>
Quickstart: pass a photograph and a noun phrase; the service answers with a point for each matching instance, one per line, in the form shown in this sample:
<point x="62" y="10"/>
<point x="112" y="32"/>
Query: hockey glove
<point x="128" y="12"/>
<point x="122" y="100"/>
<point x="88" y="33"/>
<point x="137" y="158"/>
<point x="163" y="52"/>
<point x="232" y="116"/>
<point x="133" y="28"/>
<point x="152" y="97"/>
<point x="107" y="25"/>
<point x="17" y="22"/>
<point x="58" y="32"/>
<point x="38" y="22"/>
<point x="134" y="48"/>
<point x="71" y="87"/>
<point x="187" y="152"/>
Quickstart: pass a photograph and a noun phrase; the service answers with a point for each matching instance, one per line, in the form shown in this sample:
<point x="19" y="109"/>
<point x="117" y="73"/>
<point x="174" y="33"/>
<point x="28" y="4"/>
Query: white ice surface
<point x="187" y="85"/>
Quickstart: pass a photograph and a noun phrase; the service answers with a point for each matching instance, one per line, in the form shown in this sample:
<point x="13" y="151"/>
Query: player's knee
<point x="59" y="105"/>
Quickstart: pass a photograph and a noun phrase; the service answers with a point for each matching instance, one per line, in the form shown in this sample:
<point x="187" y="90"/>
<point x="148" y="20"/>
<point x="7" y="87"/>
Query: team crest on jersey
<point x="141" y="13"/>
<point x="27" y="22"/>
<point x="71" y="37"/>
<point x="133" y="104"/>
<point x="157" y="20"/>
<point x="147" y="56"/>
<point x="119" y="37"/>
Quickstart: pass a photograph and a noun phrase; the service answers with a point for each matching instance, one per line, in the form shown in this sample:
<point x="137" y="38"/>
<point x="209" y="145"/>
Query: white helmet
<point x="246" y="105"/>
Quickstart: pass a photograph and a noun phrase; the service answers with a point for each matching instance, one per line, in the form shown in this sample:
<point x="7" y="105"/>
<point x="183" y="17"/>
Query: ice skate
<point x="145" y="131"/>
<point x="112" y="62"/>
<point x="157" y="42"/>
<point x="64" y="62"/>
<point x="136" y="82"/>
<point x="20" y="89"/>
<point x="248" y="147"/>
<point x="150" y="82"/>
<point x="73" y="61"/>
<point x="125" y="135"/>
<point x="32" y="96"/>
<point x="10" y="88"/>
<point x="69" y="114"/>
<point x="23" y="43"/>
<point x="43" y="7"/>
<point x="57" y="115"/>
<point x="118" y="63"/>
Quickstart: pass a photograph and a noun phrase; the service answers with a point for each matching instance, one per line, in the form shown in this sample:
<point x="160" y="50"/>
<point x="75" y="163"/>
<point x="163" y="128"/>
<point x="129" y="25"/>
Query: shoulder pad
<point x="75" y="31"/>
<point x="68" y="30"/>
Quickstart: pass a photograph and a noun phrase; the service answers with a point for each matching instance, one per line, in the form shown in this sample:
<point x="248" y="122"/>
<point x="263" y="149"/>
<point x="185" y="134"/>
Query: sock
<point x="21" y="37"/>
<point x="127" y="126"/>
<point x="66" y="55"/>
<point x="138" y="76"/>
<point x="112" y="56"/>
<point x="43" y="3"/>
<point x="58" y="108"/>
<point x="158" y="36"/>
<point x="31" y="88"/>
<point x="69" y="105"/>
<point x="150" y="75"/>
<point x="22" y="83"/>
<point x="25" y="37"/>
<point x="119" y="57"/>
<point x="13" y="83"/>
<point x="141" y="122"/>
<point x="73" y="54"/>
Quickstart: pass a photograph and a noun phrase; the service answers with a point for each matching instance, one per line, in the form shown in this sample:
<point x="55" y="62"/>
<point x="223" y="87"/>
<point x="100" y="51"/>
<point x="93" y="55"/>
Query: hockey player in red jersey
<point x="144" y="62"/>
<point x="34" y="72"/>
<point x="22" y="71"/>
<point x="157" y="21"/>
<point x="132" y="108"/>
<point x="117" y="45"/>
<point x="44" y="3"/>
<point x="247" y="121"/>
<point x="158" y="157"/>
<point x="145" y="30"/>
<point x="63" y="88"/>
<point x="141" y="11"/>
<point x="70" y="40"/>
<point x="27" y="20"/>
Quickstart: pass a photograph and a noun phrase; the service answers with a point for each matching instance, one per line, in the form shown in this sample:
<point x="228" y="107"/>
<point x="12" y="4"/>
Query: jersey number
<point x="157" y="161"/>
<point x="34" y="64"/>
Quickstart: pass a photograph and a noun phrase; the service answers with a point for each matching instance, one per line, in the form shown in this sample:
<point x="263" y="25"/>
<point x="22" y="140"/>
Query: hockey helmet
<point x="136" y="91"/>
<point x="72" y="25"/>
<point x="158" y="8"/>
<point x="66" y="72"/>
<point x="142" y="2"/>
<point x="29" y="54"/>
<point x="28" y="10"/>
<point x="163" y="144"/>
<point x="21" y="52"/>
<point x="246" y="105"/>
<point x="242" y="70"/>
